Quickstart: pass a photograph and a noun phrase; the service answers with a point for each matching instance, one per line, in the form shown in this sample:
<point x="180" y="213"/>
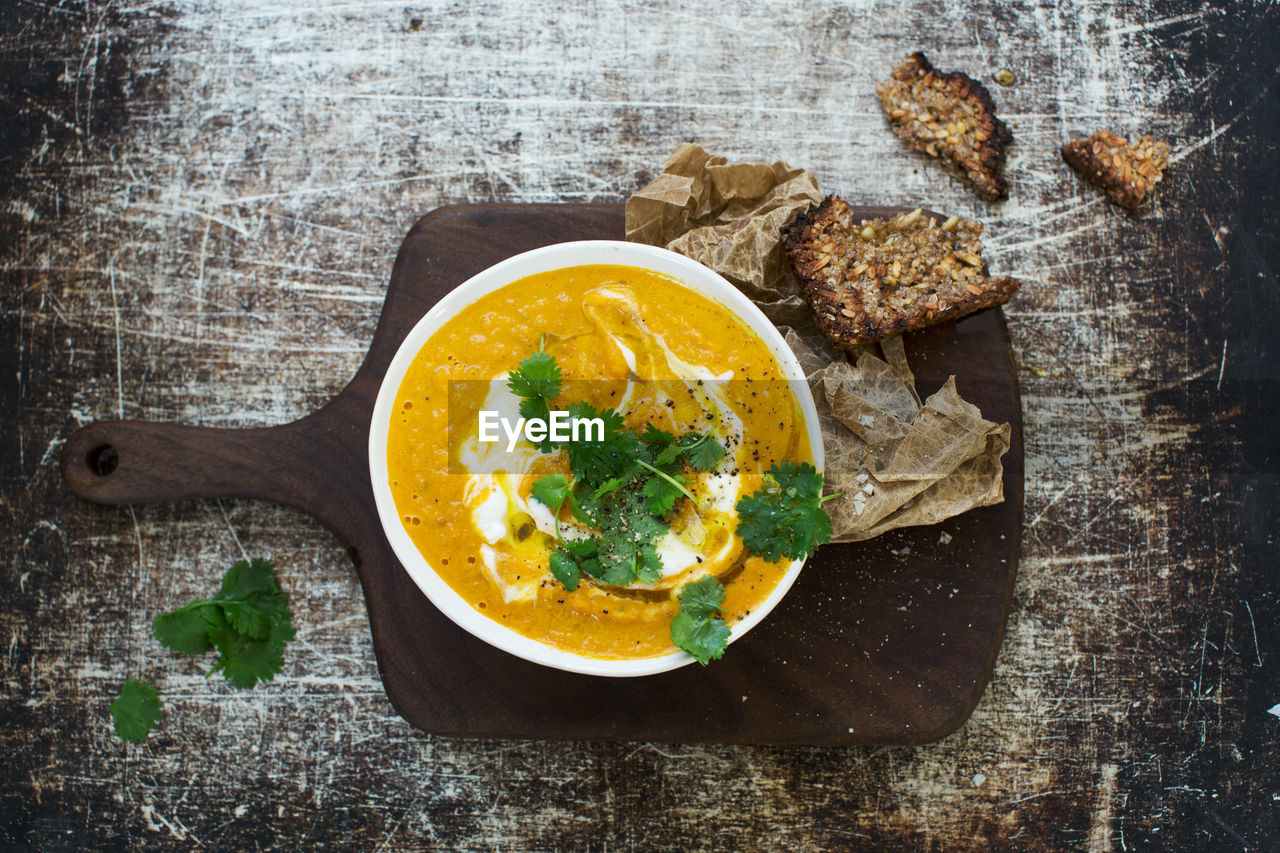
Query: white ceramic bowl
<point x="693" y="275"/>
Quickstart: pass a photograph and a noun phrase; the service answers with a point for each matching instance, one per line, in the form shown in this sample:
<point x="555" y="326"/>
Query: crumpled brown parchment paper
<point x="898" y="461"/>
<point x="728" y="216"/>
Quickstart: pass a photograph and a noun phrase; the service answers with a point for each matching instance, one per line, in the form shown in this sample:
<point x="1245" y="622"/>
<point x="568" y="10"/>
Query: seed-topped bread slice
<point x="870" y="279"/>
<point x="1127" y="171"/>
<point x="949" y="116"/>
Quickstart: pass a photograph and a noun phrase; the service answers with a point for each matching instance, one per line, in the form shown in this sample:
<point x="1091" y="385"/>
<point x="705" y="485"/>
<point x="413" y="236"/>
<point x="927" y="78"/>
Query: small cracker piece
<point x="871" y="279"/>
<point x="1127" y="171"/>
<point x="950" y="116"/>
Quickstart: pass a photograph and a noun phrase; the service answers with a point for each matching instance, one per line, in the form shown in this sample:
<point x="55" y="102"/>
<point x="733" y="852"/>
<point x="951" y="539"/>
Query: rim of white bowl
<point x="685" y="271"/>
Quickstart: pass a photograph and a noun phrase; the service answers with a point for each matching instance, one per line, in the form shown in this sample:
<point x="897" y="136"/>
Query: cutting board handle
<point x="122" y="462"/>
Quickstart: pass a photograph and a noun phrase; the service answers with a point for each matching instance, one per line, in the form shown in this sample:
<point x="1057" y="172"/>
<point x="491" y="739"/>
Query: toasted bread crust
<point x="950" y="116"/>
<point x="1127" y="171"/>
<point x="871" y="279"/>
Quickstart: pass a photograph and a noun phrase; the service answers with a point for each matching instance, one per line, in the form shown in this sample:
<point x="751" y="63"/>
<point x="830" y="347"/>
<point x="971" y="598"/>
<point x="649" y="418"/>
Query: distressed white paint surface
<point x="220" y="258"/>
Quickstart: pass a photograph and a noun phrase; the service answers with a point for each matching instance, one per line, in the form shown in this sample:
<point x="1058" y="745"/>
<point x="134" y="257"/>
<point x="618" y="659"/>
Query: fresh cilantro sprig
<point x="622" y="552"/>
<point x="612" y="456"/>
<point x="626" y="547"/>
<point x="785" y="518"/>
<point x="137" y="711"/>
<point x="538" y="380"/>
<point x="538" y="375"/>
<point x="622" y="484"/>
<point x="248" y="622"/>
<point x="553" y="491"/>
<point x="700" y="450"/>
<point x="662" y="490"/>
<point x="696" y="628"/>
<point x="565" y="568"/>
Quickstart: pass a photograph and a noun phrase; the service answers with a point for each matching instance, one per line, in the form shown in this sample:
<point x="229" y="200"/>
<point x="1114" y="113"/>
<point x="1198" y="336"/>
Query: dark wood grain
<point x="867" y="648"/>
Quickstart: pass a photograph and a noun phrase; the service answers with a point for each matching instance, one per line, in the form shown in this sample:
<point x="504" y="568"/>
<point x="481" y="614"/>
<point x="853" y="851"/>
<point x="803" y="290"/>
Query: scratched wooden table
<point x="202" y="201"/>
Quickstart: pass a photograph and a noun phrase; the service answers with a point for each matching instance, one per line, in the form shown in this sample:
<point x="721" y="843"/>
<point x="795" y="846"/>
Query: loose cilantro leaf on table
<point x="248" y="622"/>
<point x="246" y="660"/>
<point x="183" y="631"/>
<point x="137" y="711"/>
<point x="696" y="628"/>
<point x="785" y="518"/>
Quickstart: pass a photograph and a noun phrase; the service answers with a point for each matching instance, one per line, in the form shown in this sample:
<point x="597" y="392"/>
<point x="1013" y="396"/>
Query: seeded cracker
<point x="949" y="116"/>
<point x="870" y="279"/>
<point x="1127" y="171"/>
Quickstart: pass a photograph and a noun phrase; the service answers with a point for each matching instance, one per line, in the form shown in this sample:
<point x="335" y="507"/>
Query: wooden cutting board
<point x="873" y="645"/>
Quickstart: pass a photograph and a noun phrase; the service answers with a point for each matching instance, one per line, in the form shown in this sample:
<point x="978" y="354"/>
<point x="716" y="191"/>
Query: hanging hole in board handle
<point x="102" y="460"/>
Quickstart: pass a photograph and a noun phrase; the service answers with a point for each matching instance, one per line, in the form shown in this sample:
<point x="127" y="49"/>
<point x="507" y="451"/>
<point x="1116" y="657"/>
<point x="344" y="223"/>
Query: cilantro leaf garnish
<point x="702" y="451"/>
<point x="621" y="484"/>
<point x="614" y="455"/>
<point x="626" y="527"/>
<point x="586" y="553"/>
<point x="574" y="558"/>
<point x="248" y="622"/>
<point x="537" y="376"/>
<point x="785" y="518"/>
<point x="659" y="437"/>
<point x="538" y="381"/>
<point x="607" y="488"/>
<point x="552" y="490"/>
<point x="696" y="628"/>
<point x="137" y="711"/>
<point x="661" y="495"/>
<point x="649" y="564"/>
<point x="702" y="597"/>
<point x="565" y="568"/>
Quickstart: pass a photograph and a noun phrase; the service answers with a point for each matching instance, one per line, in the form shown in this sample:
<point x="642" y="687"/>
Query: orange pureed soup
<point x="625" y="338"/>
